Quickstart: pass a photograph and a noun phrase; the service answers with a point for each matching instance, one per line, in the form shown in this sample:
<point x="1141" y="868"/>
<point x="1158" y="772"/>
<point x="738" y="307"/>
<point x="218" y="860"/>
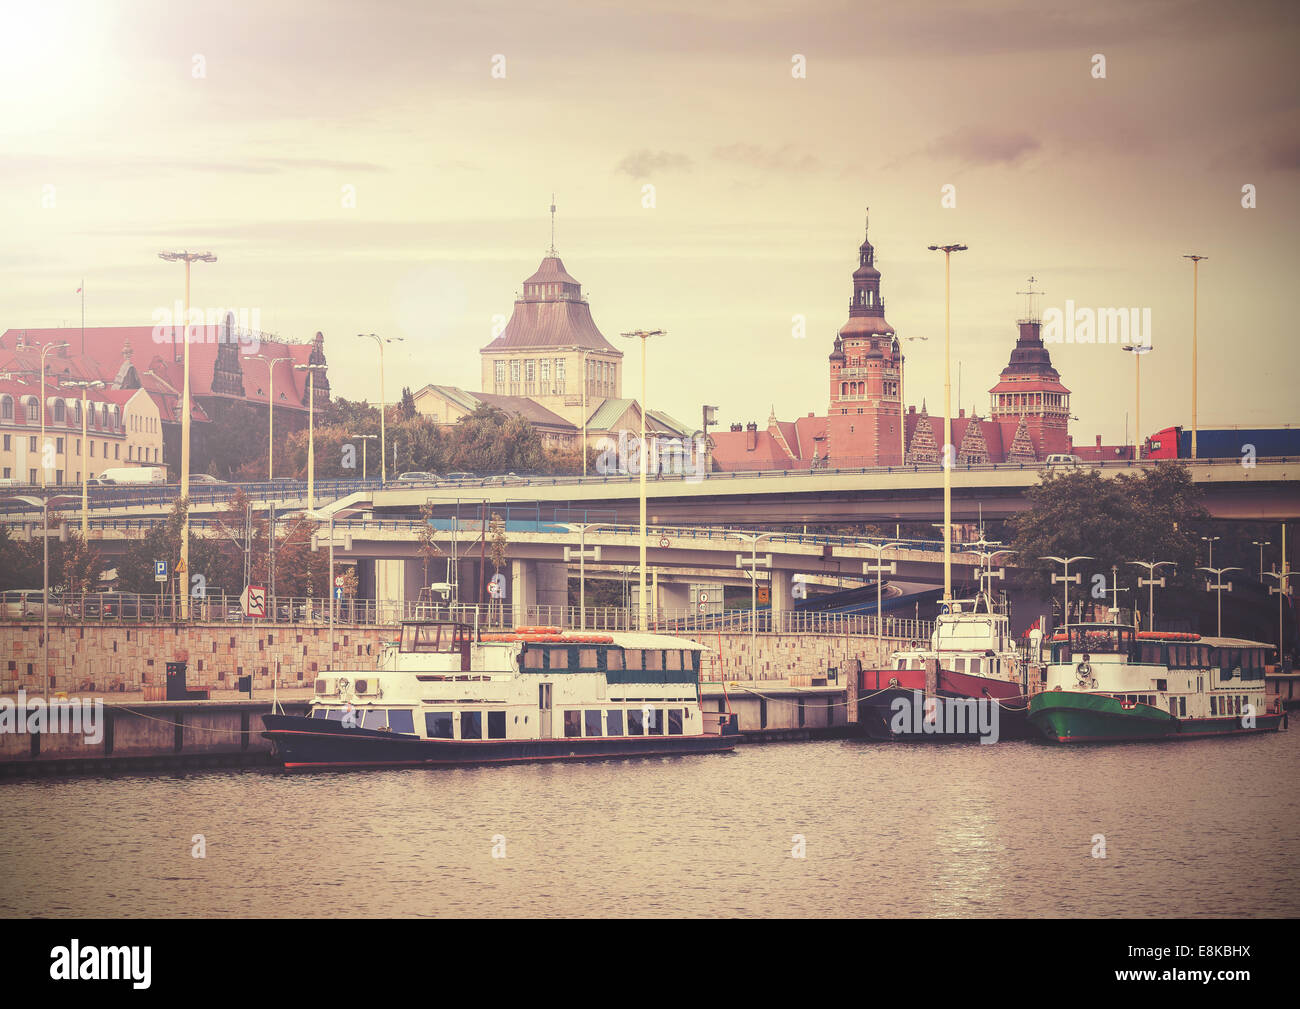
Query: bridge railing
<point x="216" y="607"/>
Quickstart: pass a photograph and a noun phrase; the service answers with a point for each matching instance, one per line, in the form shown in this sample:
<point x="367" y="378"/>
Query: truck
<point x="134" y="475"/>
<point x="1225" y="442"/>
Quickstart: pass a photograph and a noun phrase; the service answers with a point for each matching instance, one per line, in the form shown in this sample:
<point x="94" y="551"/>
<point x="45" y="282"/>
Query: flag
<point x="1032" y="627"/>
<point x="77" y="291"/>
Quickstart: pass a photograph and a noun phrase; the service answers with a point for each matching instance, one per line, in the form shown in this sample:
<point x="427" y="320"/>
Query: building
<point x="866" y="424"/>
<point x="229" y="367"/>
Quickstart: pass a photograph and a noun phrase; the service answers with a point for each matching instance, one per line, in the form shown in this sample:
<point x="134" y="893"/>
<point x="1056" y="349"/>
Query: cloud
<point x="781" y="159"/>
<point x="645" y="162"/>
<point x="977" y="147"/>
<point x="1284" y="157"/>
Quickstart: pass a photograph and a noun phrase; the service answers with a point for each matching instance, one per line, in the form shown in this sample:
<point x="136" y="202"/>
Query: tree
<point x="407" y="405"/>
<point x="427" y="548"/>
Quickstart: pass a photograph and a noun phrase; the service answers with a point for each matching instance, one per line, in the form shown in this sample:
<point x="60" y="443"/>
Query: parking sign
<point x="160" y="571"/>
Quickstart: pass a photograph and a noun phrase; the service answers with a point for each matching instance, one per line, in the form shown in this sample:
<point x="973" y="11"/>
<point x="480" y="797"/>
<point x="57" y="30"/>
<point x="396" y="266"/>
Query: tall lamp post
<point x="1210" y="540"/>
<point x="1218" y="587"/>
<point x="753" y="564"/>
<point x="84" y="386"/>
<point x="1196" y="267"/>
<point x="311" y="370"/>
<point x="880" y="569"/>
<point x="1261" y="544"/>
<point x="364" y="439"/>
<point x="43" y="503"/>
<point x="902" y="408"/>
<point x="1151" y="581"/>
<point x="383" y="403"/>
<point x="1282" y="588"/>
<point x="270" y="363"/>
<point x="1137" y="350"/>
<point x="947" y="251"/>
<point x="183" y="569"/>
<point x="1066" y="579"/>
<point x="582" y="553"/>
<point x="45" y="350"/>
<point x="643" y="336"/>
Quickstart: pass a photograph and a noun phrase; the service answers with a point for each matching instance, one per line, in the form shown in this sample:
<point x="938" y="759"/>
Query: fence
<point x="220" y="608"/>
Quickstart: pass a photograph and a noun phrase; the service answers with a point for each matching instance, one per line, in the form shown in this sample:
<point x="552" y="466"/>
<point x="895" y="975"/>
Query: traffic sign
<point x="180" y="566"/>
<point x="663" y="541"/>
<point x="160" y="571"/>
<point x="704" y="597"/>
<point x="338" y="581"/>
<point x="253" y="601"/>
<point x="338" y="591"/>
<point x="763" y="595"/>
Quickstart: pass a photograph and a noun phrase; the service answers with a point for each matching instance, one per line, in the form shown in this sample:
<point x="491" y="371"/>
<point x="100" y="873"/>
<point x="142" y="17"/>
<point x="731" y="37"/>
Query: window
<point x="559" y="658"/>
<point x="655" y="720"/>
<point x="6" y="408"/>
<point x="587" y="659"/>
<point x="674" y="659"/>
<point x="593" y="723"/>
<point x="471" y="725"/>
<point x="375" y="718"/>
<point x="635" y="659"/>
<point x="31" y="443"/>
<point x="528" y="371"/>
<point x="514" y="371"/>
<point x="33" y="410"/>
<point x="613" y="659"/>
<point x="496" y="725"/>
<point x="8" y="443"/>
<point x="654" y="659"/>
<point x="437" y="724"/>
<point x="1214" y="705"/>
<point x="1182" y="707"/>
<point x="614" y="718"/>
<point x="533" y="658"/>
<point x="635" y="724"/>
<point x="573" y="724"/>
<point x="400" y="720"/>
<point x="58" y="411"/>
<point x="675" y="719"/>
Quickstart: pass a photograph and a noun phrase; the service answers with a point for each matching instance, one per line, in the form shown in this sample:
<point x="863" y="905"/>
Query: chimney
<point x="1099" y="441"/>
<point x="736" y="427"/>
<point x="751" y="436"/>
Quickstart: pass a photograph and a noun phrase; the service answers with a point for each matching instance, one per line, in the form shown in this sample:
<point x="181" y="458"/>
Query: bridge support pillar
<point x="523" y="590"/>
<point x="781" y="593"/>
<point x="552" y="590"/>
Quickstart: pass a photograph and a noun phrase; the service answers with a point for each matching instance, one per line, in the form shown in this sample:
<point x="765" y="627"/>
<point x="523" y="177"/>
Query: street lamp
<point x="947" y="251"/>
<point x="1210" y="540"/>
<point x="187" y="258"/>
<point x="364" y="438"/>
<point x="383" y="405"/>
<point x="1217" y="588"/>
<point x="1137" y="350"/>
<point x="642" y="335"/>
<point x="879" y="569"/>
<point x="84" y="386"/>
<point x="582" y="553"/>
<point x="270" y="363"/>
<point x="1282" y="588"/>
<point x="1151" y="581"/>
<point x="752" y="539"/>
<point x="45" y="350"/>
<point x="1196" y="267"/>
<point x="1066" y="561"/>
<point x="311" y="370"/>
<point x="44" y="504"/>
<point x="1261" y="544"/>
<point x="902" y="409"/>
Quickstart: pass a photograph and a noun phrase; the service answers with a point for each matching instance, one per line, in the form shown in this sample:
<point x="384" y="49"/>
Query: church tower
<point x="1029" y="397"/>
<point x="865" y="413"/>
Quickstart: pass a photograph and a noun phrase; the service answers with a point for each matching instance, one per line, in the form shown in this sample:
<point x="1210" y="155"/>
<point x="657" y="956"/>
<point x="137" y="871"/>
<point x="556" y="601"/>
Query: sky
<point x="765" y="130"/>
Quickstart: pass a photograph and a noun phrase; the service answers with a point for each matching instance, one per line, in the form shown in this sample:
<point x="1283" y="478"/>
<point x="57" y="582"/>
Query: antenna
<point x="552" y="248"/>
<point x="1031" y="302"/>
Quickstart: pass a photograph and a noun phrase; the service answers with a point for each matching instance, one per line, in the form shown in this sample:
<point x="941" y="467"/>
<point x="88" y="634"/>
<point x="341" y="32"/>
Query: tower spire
<point x="1031" y="302"/>
<point x="551" y="250"/>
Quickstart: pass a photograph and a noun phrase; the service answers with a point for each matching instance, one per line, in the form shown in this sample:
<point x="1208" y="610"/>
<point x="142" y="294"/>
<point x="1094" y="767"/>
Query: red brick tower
<point x="1029" y="391"/>
<point x="862" y="424"/>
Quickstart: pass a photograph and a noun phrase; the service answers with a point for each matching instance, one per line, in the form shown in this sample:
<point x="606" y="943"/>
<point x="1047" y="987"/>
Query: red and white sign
<point x="663" y="541"/>
<point x="338" y="581"/>
<point x="253" y="601"/>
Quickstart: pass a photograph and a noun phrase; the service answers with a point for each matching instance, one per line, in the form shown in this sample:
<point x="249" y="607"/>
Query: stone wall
<point x="105" y="658"/>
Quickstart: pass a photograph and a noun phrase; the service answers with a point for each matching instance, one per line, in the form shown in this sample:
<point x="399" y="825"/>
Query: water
<point x="1207" y="828"/>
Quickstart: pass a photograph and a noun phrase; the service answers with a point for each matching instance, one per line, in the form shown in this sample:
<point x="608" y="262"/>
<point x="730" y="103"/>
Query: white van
<point x="134" y="474"/>
<point x="1064" y="459"/>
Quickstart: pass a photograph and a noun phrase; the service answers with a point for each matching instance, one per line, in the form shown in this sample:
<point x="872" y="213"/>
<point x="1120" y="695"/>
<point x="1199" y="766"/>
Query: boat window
<point x="433" y="637"/>
<point x="375" y="718"/>
<point x="675" y="721"/>
<point x="1214" y="705"/>
<point x="975" y="666"/>
<point x="335" y="714"/>
<point x="573" y="724"/>
<point x="1173" y="705"/>
<point x="1182" y="707"/>
<point x="559" y="658"/>
<point x="401" y="720"/>
<point x="533" y="657"/>
<point x="1236" y="705"/>
<point x="959" y="665"/>
<point x="592" y="723"/>
<point x="471" y="725"/>
<point x="654" y="659"/>
<point x="1100" y="640"/>
<point x="635" y="724"/>
<point x="587" y="659"/>
<point x="438" y="725"/>
<point x="613" y="659"/>
<point x="902" y="664"/>
<point x="496" y="725"/>
<point x="634" y="658"/>
<point x="655" y="721"/>
<point x="674" y="659"/>
<point x="319" y="713"/>
<point x="615" y="719"/>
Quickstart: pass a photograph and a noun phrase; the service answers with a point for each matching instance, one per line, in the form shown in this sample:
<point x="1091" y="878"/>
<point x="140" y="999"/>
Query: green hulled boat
<point x="1111" y="683"/>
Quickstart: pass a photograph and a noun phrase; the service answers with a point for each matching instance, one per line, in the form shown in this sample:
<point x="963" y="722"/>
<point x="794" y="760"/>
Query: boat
<point x="445" y="694"/>
<point x="1108" y="682"/>
<point x="968" y="684"/>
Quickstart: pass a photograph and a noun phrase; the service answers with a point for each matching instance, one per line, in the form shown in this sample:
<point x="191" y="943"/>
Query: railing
<point x="117" y="608"/>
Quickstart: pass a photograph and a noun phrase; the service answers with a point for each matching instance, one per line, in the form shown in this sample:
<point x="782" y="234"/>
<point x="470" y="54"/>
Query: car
<point x="503" y="480"/>
<point x="27" y="604"/>
<point x="1064" y="459"/>
<point x="418" y="476"/>
<point x="205" y="478"/>
<point x="458" y="477"/>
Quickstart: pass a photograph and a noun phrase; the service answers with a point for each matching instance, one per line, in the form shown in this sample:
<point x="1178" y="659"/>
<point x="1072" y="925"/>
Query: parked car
<point x="134" y="475"/>
<point x="418" y="476"/>
<point x="458" y="477"/>
<point x="205" y="478"/>
<point x="27" y="604"/>
<point x="1064" y="459"/>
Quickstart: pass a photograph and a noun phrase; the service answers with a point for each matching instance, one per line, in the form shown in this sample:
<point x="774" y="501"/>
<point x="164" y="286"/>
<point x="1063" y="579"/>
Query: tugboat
<point x="969" y="684"/>
<point x="1107" y="682"/>
<point x="445" y="694"/>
